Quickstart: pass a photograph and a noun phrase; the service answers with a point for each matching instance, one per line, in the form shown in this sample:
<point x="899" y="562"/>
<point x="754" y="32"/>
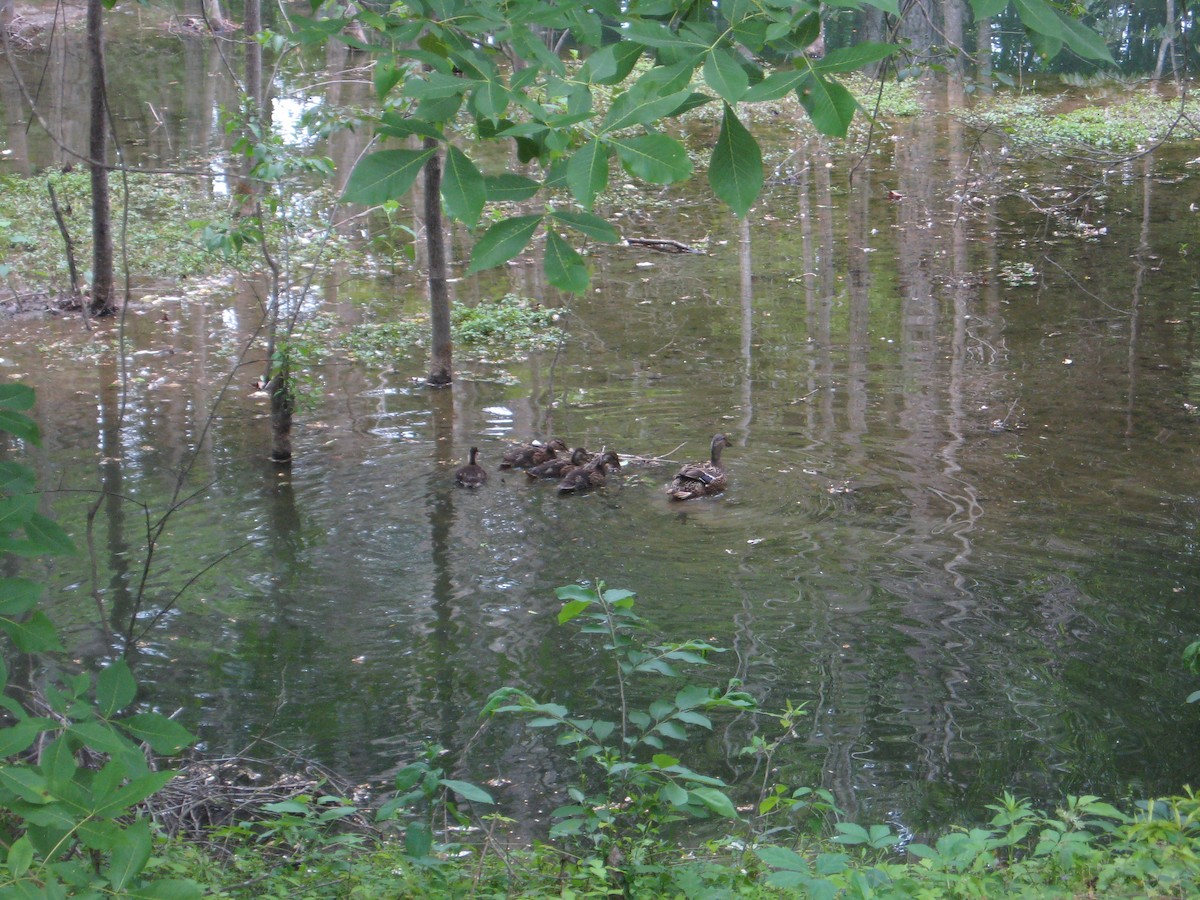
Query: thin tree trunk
<point x="441" y="369"/>
<point x="983" y="54"/>
<point x="283" y="405"/>
<point x="1166" y="45"/>
<point x="102" y="302"/>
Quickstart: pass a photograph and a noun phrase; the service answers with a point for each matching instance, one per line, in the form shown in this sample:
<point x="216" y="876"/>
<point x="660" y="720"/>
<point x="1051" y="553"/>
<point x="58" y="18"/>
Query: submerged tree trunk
<point x="283" y="405"/>
<point x="103" y="294"/>
<point x="441" y="369"/>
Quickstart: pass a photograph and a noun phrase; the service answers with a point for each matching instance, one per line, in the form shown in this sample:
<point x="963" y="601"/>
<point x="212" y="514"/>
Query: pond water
<point x="961" y="524"/>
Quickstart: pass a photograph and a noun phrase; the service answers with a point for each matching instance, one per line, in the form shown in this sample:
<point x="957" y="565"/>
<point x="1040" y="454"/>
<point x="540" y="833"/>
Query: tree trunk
<point x="441" y="369"/>
<point x="283" y="405"/>
<point x="215" y="18"/>
<point x="102" y="302"/>
<point x="983" y="54"/>
<point x="1167" y="44"/>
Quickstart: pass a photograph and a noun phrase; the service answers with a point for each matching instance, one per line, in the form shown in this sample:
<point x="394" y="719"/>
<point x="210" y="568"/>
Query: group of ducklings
<point x="582" y="470"/>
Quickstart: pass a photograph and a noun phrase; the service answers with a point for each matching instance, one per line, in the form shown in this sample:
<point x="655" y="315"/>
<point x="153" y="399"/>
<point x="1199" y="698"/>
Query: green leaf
<point x="725" y="75"/>
<point x="46" y="536"/>
<point x="891" y="7"/>
<point x="20" y="736"/>
<point x="578" y="592"/>
<point x="571" y="610"/>
<point x="463" y="188"/>
<point x="735" y="171"/>
<point x="21" y="427"/>
<point x="387" y="75"/>
<point x="640" y="106"/>
<point x="418" y="840"/>
<point x="36" y="634"/>
<point x="130" y="854"/>
<point x="611" y="63"/>
<point x="775" y="85"/>
<point x="673" y="730"/>
<point x="656" y="158"/>
<point x="18" y="595"/>
<point x="1040" y="17"/>
<point x="849" y="59"/>
<point x="1083" y="40"/>
<point x="674" y="794"/>
<point x="27" y="784"/>
<point x="170" y="889"/>
<point x="830" y="106"/>
<point x="384" y="175"/>
<point x="20" y="856"/>
<point x="984" y="9"/>
<point x="587" y="172"/>
<point x="466" y="790"/>
<point x="783" y="858"/>
<point x="395" y="124"/>
<point x="115" y="688"/>
<point x="594" y="227"/>
<point x="16" y="396"/>
<point x="162" y="734"/>
<point x="564" y="266"/>
<point x="15" y="511"/>
<point x="714" y="800"/>
<point x="16" y="478"/>
<point x="503" y="241"/>
<point x="509" y="188"/>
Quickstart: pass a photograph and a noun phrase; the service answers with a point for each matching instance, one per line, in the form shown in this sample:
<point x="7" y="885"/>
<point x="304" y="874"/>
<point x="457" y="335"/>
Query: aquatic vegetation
<point x="1134" y="121"/>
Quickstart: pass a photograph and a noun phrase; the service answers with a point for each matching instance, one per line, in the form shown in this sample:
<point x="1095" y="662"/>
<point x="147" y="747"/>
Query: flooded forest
<point x="957" y="364"/>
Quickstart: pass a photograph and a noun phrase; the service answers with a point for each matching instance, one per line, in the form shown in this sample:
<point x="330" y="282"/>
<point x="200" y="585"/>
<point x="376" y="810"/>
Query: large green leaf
<point x="984" y="9"/>
<point x="130" y="854"/>
<point x="849" y="59"/>
<point x="611" y="63"/>
<point x="638" y="106"/>
<point x="509" y="188"/>
<point x="115" y="688"/>
<point x="16" y="478"/>
<point x="735" y="171"/>
<point x="164" y="735"/>
<point x="20" y="426"/>
<point x="592" y="225"/>
<point x="35" y="634"/>
<point x="16" y="396"/>
<point x="829" y="105"/>
<point x="395" y="124"/>
<point x="47" y="536"/>
<point x="725" y="75"/>
<point x="18" y="595"/>
<point x="503" y="241"/>
<point x="564" y="267"/>
<point x="775" y="85"/>
<point x="384" y="175"/>
<point x="1084" y="41"/>
<point x="656" y="158"/>
<point x="891" y="7"/>
<point x="715" y="800"/>
<point x="170" y="889"/>
<point x="463" y="189"/>
<point x="587" y="172"/>
<point x="466" y="790"/>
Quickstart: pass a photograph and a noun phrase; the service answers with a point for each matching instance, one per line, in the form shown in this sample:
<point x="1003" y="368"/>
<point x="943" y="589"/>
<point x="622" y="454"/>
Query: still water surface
<point x="965" y="607"/>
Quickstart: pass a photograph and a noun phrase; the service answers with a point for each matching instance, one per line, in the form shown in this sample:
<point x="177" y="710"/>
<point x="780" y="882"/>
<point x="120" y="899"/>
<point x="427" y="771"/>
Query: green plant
<point x="73" y="772"/>
<point x="629" y="787"/>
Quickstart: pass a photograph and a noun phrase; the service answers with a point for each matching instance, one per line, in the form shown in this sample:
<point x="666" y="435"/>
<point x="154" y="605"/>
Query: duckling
<point x="472" y="475"/>
<point x="584" y="477"/>
<point x="557" y="467"/>
<point x="702" y="479"/>
<point x="611" y="460"/>
<point x="523" y="456"/>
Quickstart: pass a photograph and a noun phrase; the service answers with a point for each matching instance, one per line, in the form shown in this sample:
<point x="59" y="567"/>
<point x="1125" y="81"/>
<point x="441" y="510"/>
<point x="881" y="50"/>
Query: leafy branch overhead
<point x="487" y="60"/>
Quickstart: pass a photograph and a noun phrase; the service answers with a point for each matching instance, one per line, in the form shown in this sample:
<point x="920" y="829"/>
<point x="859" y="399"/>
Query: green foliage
<point x="1137" y="121"/>
<point x="628" y="783"/>
<point x="71" y="827"/>
<point x="159" y="240"/>
<point x="435" y="63"/>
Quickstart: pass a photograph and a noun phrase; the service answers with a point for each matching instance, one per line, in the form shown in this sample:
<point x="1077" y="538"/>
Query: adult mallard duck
<point x="557" y="467"/>
<point x="471" y="475"/>
<point x="524" y="456"/>
<point x="584" y="478"/>
<point x="702" y="479"/>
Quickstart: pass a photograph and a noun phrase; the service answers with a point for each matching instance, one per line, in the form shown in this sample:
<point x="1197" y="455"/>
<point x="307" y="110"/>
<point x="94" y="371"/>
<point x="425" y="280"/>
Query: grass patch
<point x="1123" y="125"/>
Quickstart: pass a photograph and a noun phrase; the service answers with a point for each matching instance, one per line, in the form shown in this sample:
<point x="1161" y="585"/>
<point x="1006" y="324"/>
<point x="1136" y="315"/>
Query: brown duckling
<point x="472" y="475"/>
<point x="557" y="467"/>
<point x="702" y="479"/>
<point x="611" y="459"/>
<point x="584" y="478"/>
<point x="524" y="456"/>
